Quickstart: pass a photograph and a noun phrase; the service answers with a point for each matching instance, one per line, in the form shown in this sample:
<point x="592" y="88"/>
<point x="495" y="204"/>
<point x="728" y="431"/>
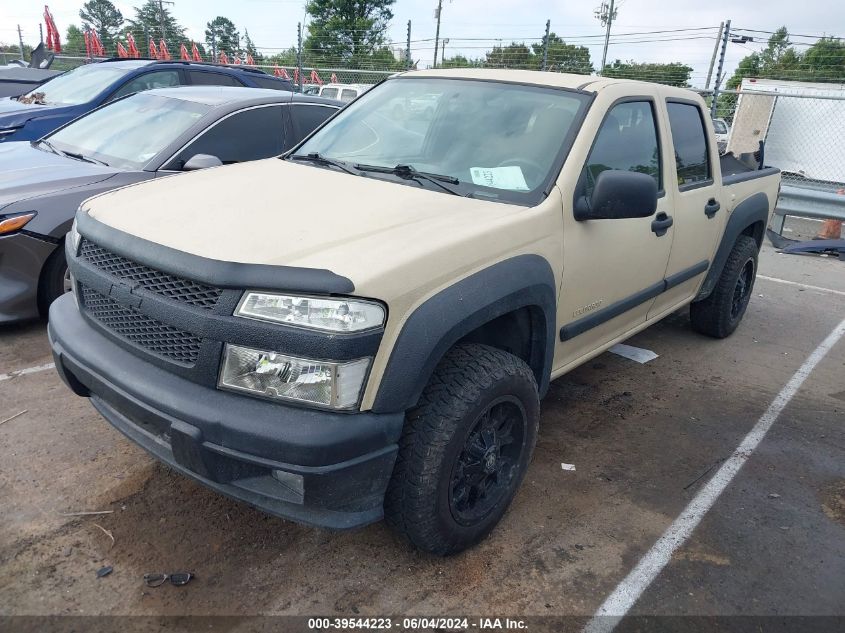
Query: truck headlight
<point x="73" y="238"/>
<point x="273" y="375"/>
<point x="332" y="315"/>
<point x="12" y="223"/>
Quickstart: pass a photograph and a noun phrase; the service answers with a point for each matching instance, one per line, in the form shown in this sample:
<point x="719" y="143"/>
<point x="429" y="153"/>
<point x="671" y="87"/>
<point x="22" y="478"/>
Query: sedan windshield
<point x="127" y="134"/>
<point x="491" y="140"/>
<point x="79" y="85"/>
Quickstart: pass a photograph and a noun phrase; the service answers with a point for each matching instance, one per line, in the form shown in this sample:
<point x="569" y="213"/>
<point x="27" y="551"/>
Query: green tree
<point x="249" y="48"/>
<point x="102" y="17"/>
<point x="825" y="60"/>
<point x="461" y="61"/>
<point x="563" y="57"/>
<point x="148" y="21"/>
<point x="514" y="55"/>
<point x="222" y="36"/>
<point x="347" y="32"/>
<point x="75" y="40"/>
<point x="672" y="74"/>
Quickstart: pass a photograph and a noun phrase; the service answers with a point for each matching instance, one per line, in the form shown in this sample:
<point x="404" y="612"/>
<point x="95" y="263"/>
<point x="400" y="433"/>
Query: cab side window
<point x="690" y="143"/>
<point x="205" y="78"/>
<point x="247" y="135"/>
<point x="627" y="140"/>
<point x="148" y="81"/>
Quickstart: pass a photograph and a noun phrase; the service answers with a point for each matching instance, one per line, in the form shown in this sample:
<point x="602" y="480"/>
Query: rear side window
<point x="148" y="81"/>
<point x="627" y="140"/>
<point x="269" y="82"/>
<point x="247" y="135"/>
<point x="306" y="118"/>
<point x="329" y="93"/>
<point x="690" y="143"/>
<point x="348" y="94"/>
<point x="199" y="78"/>
<point x="719" y="127"/>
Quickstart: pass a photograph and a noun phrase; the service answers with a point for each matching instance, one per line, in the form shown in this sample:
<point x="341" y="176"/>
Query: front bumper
<point x="312" y="466"/>
<point x="21" y="259"/>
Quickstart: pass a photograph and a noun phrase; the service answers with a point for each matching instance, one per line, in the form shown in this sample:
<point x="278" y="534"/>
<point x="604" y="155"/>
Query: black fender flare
<point x="747" y="213"/>
<point x="443" y="319"/>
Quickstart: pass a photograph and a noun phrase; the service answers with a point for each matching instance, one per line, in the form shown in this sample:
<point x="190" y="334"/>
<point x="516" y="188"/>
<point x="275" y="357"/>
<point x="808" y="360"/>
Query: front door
<point x="613" y="269"/>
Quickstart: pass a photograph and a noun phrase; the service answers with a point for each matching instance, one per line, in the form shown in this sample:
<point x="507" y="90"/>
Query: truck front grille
<point x="141" y="330"/>
<point x="161" y="283"/>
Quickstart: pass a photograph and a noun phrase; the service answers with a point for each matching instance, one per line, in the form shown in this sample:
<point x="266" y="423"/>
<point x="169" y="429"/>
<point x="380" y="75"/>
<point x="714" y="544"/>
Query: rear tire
<point x="54" y="281"/>
<point x="464" y="450"/>
<point x="719" y="314"/>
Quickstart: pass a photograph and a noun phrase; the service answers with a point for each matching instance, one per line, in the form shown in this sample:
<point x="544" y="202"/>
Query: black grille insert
<point x="164" y="284"/>
<point x="148" y="333"/>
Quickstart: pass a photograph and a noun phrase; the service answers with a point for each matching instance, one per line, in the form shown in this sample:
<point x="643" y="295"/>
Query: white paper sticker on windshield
<point x="499" y="177"/>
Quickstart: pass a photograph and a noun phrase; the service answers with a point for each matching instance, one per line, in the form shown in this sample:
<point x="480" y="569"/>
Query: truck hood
<point x="280" y="213"/>
<point x="27" y="172"/>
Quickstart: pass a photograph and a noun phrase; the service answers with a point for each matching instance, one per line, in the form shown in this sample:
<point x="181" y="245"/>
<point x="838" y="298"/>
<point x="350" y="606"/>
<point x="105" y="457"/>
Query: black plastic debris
<point x="102" y="572"/>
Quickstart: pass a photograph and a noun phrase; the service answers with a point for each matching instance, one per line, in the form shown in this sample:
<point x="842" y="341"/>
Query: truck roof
<point x="590" y="83"/>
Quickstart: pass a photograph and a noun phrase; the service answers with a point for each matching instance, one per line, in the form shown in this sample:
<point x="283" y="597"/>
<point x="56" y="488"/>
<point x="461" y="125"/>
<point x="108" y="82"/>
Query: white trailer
<point x="801" y="122"/>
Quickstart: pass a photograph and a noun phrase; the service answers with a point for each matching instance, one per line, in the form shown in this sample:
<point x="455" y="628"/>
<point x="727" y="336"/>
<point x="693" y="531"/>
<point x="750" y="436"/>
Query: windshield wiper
<point x="87" y="159"/>
<point x="409" y="172"/>
<point x="48" y="145"/>
<point x="314" y="157"/>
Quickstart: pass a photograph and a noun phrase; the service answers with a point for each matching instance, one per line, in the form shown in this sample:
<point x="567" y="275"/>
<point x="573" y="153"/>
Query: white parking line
<point x="800" y="285"/>
<point x="28" y="370"/>
<point x="626" y="594"/>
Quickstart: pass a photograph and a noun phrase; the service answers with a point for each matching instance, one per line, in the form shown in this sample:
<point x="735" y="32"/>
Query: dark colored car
<point x="143" y="136"/>
<point x="74" y="93"/>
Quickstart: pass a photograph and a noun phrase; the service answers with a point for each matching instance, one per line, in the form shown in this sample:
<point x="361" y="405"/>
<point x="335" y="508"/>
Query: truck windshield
<point x="493" y="140"/>
<point x="128" y="133"/>
<point x="76" y="86"/>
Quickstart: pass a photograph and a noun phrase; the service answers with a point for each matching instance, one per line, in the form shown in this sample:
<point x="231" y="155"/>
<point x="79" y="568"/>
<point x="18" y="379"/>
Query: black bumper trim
<point x="340" y="464"/>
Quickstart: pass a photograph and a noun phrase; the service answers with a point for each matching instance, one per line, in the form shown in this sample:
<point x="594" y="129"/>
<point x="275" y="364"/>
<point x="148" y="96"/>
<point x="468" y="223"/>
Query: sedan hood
<point x="280" y="213"/>
<point x="27" y="172"/>
<point x="13" y="113"/>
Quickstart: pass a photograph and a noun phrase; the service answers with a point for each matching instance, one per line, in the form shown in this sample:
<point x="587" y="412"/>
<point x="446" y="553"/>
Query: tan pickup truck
<point x="381" y="349"/>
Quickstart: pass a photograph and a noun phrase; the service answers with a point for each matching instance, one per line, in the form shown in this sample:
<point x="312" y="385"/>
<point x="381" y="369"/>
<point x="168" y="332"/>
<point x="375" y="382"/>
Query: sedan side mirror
<point x="201" y="161"/>
<point x="619" y="194"/>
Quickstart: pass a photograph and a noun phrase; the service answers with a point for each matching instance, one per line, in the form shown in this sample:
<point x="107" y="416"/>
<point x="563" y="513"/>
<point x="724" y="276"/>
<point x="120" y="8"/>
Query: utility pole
<point x="213" y="47"/>
<point x="20" y="40"/>
<point x="147" y="40"/>
<point x="299" y="54"/>
<point x="725" y="37"/>
<point x="713" y="59"/>
<point x="408" y="48"/>
<point x="606" y="18"/>
<point x="437" y="32"/>
<point x="161" y="4"/>
<point x="443" y="52"/>
<point x="40" y="32"/>
<point x="546" y="46"/>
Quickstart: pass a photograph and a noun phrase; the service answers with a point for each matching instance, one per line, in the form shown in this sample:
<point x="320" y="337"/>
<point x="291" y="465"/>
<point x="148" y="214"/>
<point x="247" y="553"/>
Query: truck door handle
<point x="711" y="207"/>
<point x="661" y="224"/>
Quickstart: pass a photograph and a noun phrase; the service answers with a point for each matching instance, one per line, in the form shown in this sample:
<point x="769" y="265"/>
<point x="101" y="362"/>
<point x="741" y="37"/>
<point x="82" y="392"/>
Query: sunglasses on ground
<point x="157" y="580"/>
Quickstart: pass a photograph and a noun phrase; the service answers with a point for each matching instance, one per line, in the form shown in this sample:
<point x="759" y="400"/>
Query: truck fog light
<point x="277" y="376"/>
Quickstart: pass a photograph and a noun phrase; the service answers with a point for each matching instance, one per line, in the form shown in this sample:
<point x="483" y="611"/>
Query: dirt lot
<point x="643" y="438"/>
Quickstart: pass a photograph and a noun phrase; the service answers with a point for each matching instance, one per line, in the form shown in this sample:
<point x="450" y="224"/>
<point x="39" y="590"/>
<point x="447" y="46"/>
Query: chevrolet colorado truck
<point x="381" y="350"/>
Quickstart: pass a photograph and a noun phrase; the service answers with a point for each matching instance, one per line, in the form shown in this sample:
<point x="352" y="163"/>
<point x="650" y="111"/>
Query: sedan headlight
<point x="332" y="315"/>
<point x="280" y="377"/>
<point x="12" y="223"/>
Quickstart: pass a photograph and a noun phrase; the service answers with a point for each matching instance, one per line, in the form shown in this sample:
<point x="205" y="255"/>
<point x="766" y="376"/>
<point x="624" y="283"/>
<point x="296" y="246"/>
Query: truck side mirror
<point x="201" y="161"/>
<point x="617" y="195"/>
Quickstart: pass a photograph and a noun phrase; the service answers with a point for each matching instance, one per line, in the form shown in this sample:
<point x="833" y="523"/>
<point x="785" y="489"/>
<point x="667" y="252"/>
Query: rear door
<point x="613" y="269"/>
<point x="699" y="211"/>
<point x="307" y="117"/>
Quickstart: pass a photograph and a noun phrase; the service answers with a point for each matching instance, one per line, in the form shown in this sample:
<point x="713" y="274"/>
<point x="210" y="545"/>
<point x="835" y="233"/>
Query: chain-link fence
<point x="801" y="125"/>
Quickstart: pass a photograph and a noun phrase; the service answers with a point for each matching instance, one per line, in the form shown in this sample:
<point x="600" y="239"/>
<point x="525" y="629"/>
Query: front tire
<point x="54" y="281"/>
<point x="719" y="314"/>
<point x="464" y="450"/>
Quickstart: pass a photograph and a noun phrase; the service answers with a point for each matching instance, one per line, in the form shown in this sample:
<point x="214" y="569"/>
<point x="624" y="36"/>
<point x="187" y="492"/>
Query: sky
<point x="272" y="24"/>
